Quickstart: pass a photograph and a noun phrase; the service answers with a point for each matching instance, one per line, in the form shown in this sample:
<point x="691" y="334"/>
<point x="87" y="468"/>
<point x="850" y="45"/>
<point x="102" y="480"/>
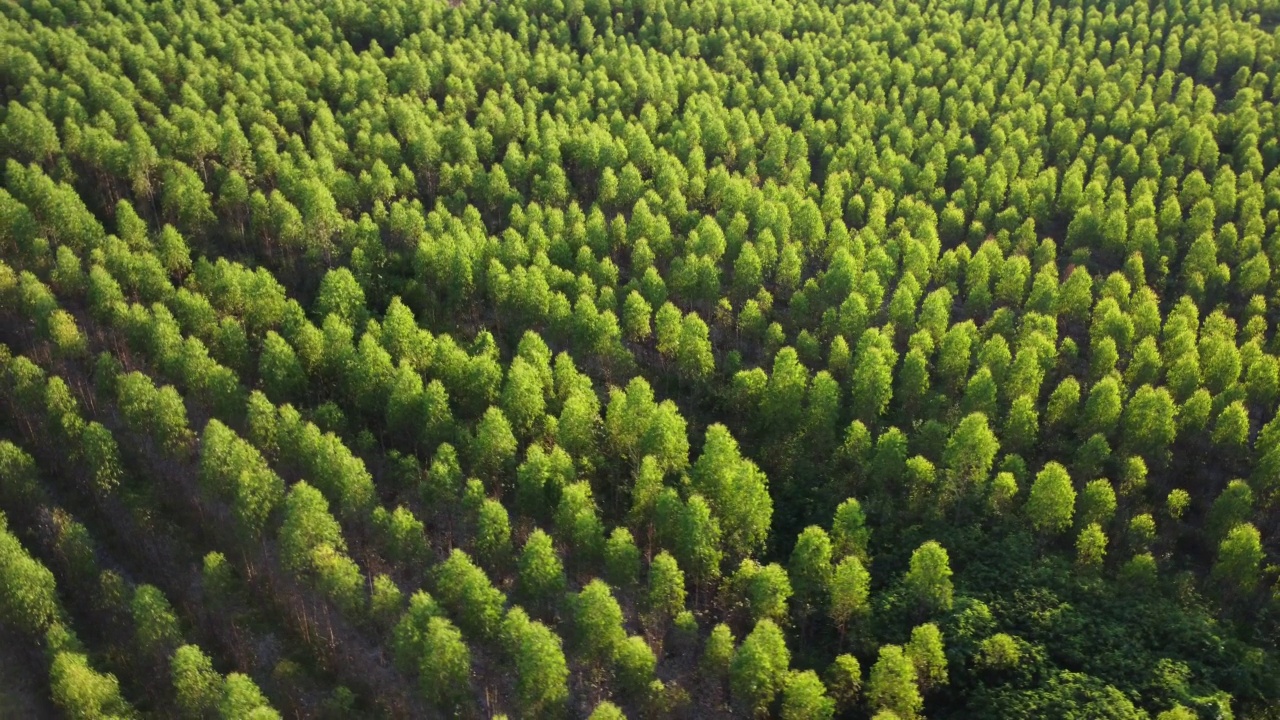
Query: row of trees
<point x="305" y="511"/>
<point x="140" y="615"/>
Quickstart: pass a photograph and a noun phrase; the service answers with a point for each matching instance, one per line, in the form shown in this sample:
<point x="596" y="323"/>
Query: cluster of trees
<point x="646" y="359"/>
<point x="139" y="618"/>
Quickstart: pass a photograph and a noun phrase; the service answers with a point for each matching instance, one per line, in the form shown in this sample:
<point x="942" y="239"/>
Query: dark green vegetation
<point x="655" y="359"/>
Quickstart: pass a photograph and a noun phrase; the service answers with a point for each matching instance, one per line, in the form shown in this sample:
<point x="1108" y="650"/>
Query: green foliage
<point x="197" y="685"/>
<point x="926" y="653"/>
<point x="153" y="617"/>
<point x="763" y="590"/>
<point x="158" y="412"/>
<point x="805" y="698"/>
<point x="1148" y="422"/>
<point x="928" y="581"/>
<point x="850" y="592"/>
<point x="341" y="295"/>
<point x="241" y="697"/>
<point x="621" y="558"/>
<point x="469" y="595"/>
<point x="1069" y="692"/>
<point x="523" y="397"/>
<point x="634" y="664"/>
<point x="83" y="693"/>
<point x="577" y="519"/>
<point x="1097" y="502"/>
<point x="1051" y="500"/>
<point x="637" y="425"/>
<point x="232" y="468"/>
<point x="758" y="671"/>
<point x="849" y="532"/>
<point x="1239" y="557"/>
<point x="406" y="636"/>
<point x="28" y="596"/>
<point x="666" y="588"/>
<point x="1091" y="546"/>
<point x="1232" y="507"/>
<point x="811" y="568"/>
<point x="970" y="451"/>
<point x="281" y="372"/>
<point x="539" y="662"/>
<point x="307" y="525"/>
<point x="892" y="685"/>
<point x="540" y="576"/>
<point x="444" y="663"/>
<point x="718" y="653"/>
<point x="736" y="489"/>
<point x="494" y="446"/>
<point x="493" y="535"/>
<point x="386" y="601"/>
<point x="999" y="652"/>
<point x="606" y="711"/>
<point x="597" y="622"/>
<point x="844" y="679"/>
<point x="848" y="244"/>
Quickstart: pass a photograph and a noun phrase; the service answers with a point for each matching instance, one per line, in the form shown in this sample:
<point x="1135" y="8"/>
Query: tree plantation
<point x="606" y="359"/>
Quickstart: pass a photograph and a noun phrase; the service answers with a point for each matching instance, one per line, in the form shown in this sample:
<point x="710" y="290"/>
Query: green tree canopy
<point x="928" y="580"/>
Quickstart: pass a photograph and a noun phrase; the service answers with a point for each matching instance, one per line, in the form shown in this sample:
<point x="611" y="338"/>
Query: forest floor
<point x="23" y="685"/>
